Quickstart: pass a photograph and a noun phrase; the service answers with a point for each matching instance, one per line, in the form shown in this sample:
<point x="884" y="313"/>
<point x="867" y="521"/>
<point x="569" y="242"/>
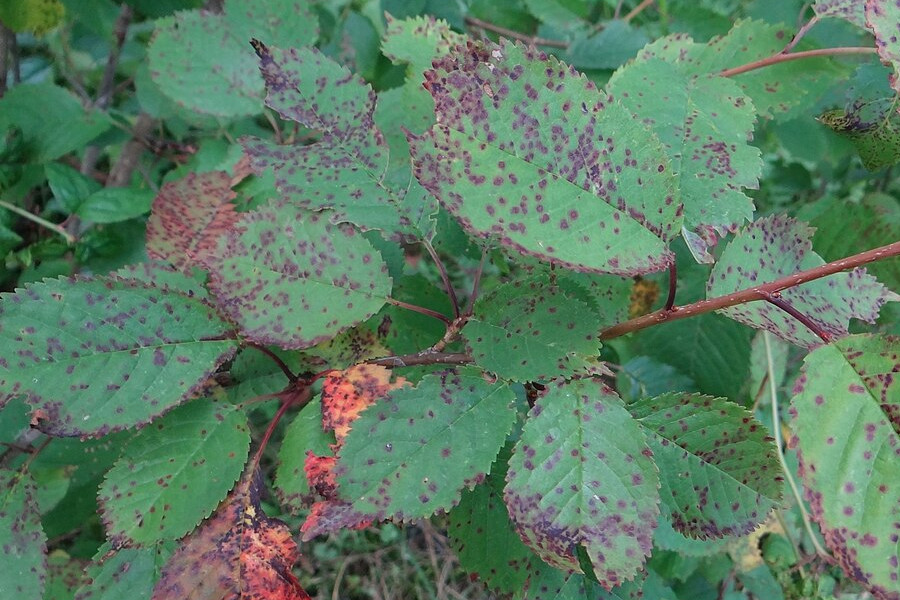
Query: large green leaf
<point x="882" y="17"/>
<point x="413" y="451"/>
<point x="22" y="540"/>
<point x="719" y="474"/>
<point x="289" y="277"/>
<point x="528" y="152"/>
<point x="775" y="247"/>
<point x="581" y="476"/>
<point x="204" y="61"/>
<point x="173" y="475"/>
<point x="847" y="417"/>
<point x="706" y="123"/>
<point x="530" y="330"/>
<point x="99" y="355"/>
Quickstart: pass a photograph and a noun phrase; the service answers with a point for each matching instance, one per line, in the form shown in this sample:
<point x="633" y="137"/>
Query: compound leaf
<point x="719" y="474"/>
<point x="289" y="277"/>
<point x="528" y="152"/>
<point x="529" y="330"/>
<point x="581" y="475"/>
<point x="173" y="474"/>
<point x="706" y="123"/>
<point x="846" y="410"/>
<point x="23" y="544"/>
<point x="883" y="18"/>
<point x="98" y="355"/>
<point x="238" y="553"/>
<point x="777" y="246"/>
<point x="413" y="451"/>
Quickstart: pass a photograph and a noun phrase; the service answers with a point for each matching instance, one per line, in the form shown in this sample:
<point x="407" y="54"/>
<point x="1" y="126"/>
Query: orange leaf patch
<point x="347" y="393"/>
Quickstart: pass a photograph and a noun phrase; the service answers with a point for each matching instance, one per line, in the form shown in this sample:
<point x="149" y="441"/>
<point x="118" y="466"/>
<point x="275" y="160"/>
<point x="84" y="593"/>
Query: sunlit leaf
<point x="22" y="540"/>
<point x="582" y="475"/>
<point x="846" y="417"/>
<point x="528" y="152"/>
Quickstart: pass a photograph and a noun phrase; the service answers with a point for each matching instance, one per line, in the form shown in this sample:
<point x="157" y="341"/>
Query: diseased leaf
<point x="161" y="275"/>
<point x="23" y="544"/>
<point x="237" y="554"/>
<point x="778" y="246"/>
<point x="304" y="434"/>
<point x="705" y="123"/>
<point x="173" y="474"/>
<point x="98" y="355"/>
<point x="581" y="475"/>
<point x="851" y="10"/>
<point x="347" y="393"/>
<point x="418" y="41"/>
<point x="530" y="330"/>
<point x="719" y="474"/>
<point x="188" y="217"/>
<point x="528" y="152"/>
<point x="883" y="18"/>
<point x="412" y="452"/>
<point x="290" y="278"/>
<point x="65" y="575"/>
<point x="125" y="573"/>
<point x="878" y="143"/>
<point x="846" y="411"/>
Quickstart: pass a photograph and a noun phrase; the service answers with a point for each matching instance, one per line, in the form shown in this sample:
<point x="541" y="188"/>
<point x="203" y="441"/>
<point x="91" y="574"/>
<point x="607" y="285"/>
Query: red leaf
<point x="237" y="554"/>
<point x="188" y="216"/>
<point x="320" y="474"/>
<point x="347" y="393"/>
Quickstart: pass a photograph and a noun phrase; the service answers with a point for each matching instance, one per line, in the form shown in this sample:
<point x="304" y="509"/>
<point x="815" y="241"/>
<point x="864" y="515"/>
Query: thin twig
<point x="776" y="300"/>
<point x="528" y="39"/>
<point x="637" y="10"/>
<point x="121" y="171"/>
<point x="420" y="309"/>
<point x="476" y="283"/>
<point x="70" y="239"/>
<point x="423" y="358"/>
<point x="751" y="294"/>
<point x="673" y="286"/>
<point x="299" y="397"/>
<point x="776" y="432"/>
<point x="277" y="360"/>
<point x="800" y="33"/>
<point x="780" y="58"/>
<point x="7" y="37"/>
<point x="444" y="276"/>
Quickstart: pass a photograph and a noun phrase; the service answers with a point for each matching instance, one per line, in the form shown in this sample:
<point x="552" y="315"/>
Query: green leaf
<point x="719" y="473"/>
<point x="52" y="120"/>
<point x="847" y="414"/>
<point x="851" y="10"/>
<point x="705" y="123"/>
<point x="173" y="474"/>
<point x="290" y="278"/>
<point x="643" y="377"/>
<point x="882" y="17"/>
<point x="98" y="355"/>
<point x="33" y="16"/>
<point x="418" y="41"/>
<point x="581" y="474"/>
<point x="305" y="433"/>
<point x="529" y="330"/>
<point x="70" y="188"/>
<point x="23" y="544"/>
<point x="528" y="152"/>
<point x="561" y="14"/>
<point x="204" y="60"/>
<point x="111" y="205"/>
<point x="667" y="538"/>
<point x="878" y="143"/>
<point x="126" y="573"/>
<point x="615" y="44"/>
<point x="483" y="537"/>
<point x="65" y="575"/>
<point x="775" y="247"/>
<point x="413" y="451"/>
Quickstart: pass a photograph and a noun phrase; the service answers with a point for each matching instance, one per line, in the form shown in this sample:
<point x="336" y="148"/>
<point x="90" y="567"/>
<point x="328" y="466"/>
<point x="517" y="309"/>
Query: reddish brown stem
<point x="451" y="293"/>
<point x="673" y="286"/>
<point x="420" y="309"/>
<point x="476" y="283"/>
<point x="530" y="40"/>
<point x="637" y="10"/>
<point x="298" y="396"/>
<point x="277" y="360"/>
<point x="780" y="58"/>
<point x="777" y="300"/>
<point x="751" y="294"/>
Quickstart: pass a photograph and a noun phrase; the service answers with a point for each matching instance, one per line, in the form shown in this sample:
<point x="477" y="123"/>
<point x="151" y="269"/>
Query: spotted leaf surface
<point x="846" y="410"/>
<point x="127" y="573"/>
<point x="347" y="393"/>
<point x="237" y="554"/>
<point x="851" y="10"/>
<point x="530" y="330"/>
<point x="528" y="152"/>
<point x="581" y="475"/>
<point x="719" y="474"/>
<point x="877" y="143"/>
<point x="289" y="277"/>
<point x="203" y="60"/>
<point x="777" y="246"/>
<point x="22" y="540"/>
<point x="412" y="452"/>
<point x="303" y="434"/>
<point x="346" y="169"/>
<point x="174" y="473"/>
<point x="188" y="216"/>
<point x="98" y="355"/>
<point x="706" y="123"/>
<point x="883" y="18"/>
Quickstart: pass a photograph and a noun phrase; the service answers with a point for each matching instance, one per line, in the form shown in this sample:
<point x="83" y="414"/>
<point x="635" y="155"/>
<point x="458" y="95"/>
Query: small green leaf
<point x="22" y="540"/>
<point x="304" y="433"/>
<point x="70" y="188"/>
<point x="609" y="48"/>
<point x="878" y="143"/>
<point x="289" y="277"/>
<point x="846" y="416"/>
<point x="126" y="573"/>
<point x="98" y="355"/>
<point x="581" y="474"/>
<point x="111" y="205"/>
<point x="719" y="474"/>
<point x="775" y="247"/>
<point x="418" y="41"/>
<point x="413" y="451"/>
